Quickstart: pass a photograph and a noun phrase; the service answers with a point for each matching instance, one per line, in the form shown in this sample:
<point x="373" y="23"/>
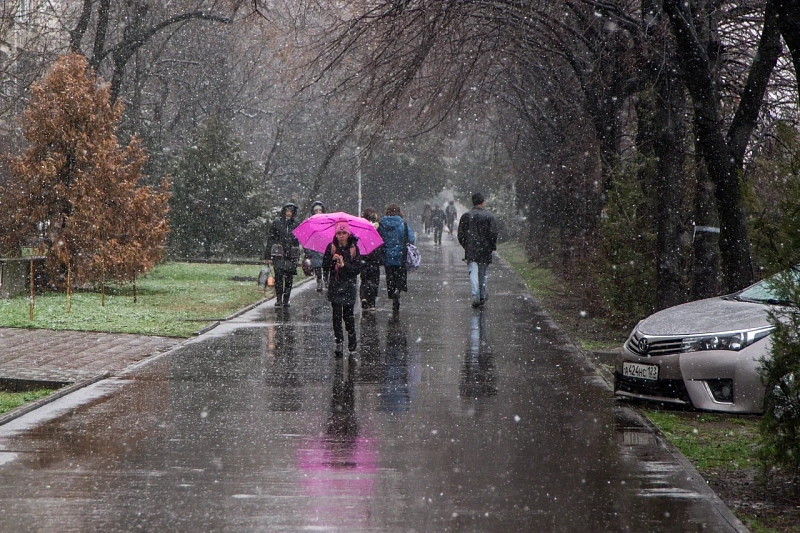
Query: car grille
<point x="641" y="345"/>
<point x="662" y="388"/>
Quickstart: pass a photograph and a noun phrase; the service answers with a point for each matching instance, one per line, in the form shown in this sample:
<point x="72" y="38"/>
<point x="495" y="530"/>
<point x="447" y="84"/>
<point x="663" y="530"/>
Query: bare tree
<point x="120" y="29"/>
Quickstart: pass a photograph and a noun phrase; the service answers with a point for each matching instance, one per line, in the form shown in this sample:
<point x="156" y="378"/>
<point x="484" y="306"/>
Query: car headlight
<point x="726" y="341"/>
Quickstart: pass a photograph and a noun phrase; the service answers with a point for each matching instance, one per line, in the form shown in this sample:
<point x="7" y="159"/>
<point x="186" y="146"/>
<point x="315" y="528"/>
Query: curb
<point x="242" y="311"/>
<point x="209" y="327"/>
<point x="60" y="393"/>
<point x="608" y="378"/>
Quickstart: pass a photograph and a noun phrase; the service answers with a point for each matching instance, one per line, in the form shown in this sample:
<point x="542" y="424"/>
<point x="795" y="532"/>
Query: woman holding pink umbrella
<point x="343" y="260"/>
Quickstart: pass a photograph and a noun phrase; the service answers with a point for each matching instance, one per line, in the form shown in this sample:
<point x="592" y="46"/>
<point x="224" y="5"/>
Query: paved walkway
<point x="72" y="356"/>
<point x="430" y="427"/>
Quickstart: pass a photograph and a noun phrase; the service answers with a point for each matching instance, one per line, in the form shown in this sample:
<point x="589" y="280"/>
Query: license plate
<point x="638" y="370"/>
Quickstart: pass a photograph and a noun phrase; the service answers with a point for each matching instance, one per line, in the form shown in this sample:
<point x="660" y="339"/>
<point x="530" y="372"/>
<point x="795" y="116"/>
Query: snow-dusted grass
<point x="175" y="299"/>
<point x="567" y="305"/>
<point x="711" y="441"/>
<point x="12" y="400"/>
<point x="540" y="281"/>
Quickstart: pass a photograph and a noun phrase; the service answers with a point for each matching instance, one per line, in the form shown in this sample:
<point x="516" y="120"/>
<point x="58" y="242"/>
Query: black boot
<point x="352" y="342"/>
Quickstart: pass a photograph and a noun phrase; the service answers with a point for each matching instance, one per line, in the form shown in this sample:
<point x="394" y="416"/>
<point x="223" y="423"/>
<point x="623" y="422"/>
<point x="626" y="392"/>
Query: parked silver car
<point x="702" y="354"/>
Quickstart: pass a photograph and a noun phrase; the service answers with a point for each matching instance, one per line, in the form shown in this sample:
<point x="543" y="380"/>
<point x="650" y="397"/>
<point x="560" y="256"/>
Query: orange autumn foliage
<point x="78" y="181"/>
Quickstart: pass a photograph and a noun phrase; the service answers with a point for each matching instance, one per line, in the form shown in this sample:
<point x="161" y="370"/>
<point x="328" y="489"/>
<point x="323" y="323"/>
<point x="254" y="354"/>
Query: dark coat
<point x="437" y="218"/>
<point x="392" y="230"/>
<point x="477" y="234"/>
<point x="316" y="257"/>
<point x="342" y="283"/>
<point x="374" y="259"/>
<point x="450" y="213"/>
<point x="281" y="233"/>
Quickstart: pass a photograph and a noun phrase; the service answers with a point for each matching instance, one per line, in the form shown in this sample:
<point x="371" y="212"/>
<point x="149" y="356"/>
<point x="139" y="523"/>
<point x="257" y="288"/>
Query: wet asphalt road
<point x="445" y="419"/>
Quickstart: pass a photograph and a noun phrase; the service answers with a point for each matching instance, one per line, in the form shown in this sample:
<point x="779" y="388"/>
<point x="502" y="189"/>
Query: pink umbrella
<point x="317" y="232"/>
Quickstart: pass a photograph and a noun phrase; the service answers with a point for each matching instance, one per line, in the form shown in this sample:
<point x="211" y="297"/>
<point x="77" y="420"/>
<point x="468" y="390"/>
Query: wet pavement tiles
<point x="445" y="419"/>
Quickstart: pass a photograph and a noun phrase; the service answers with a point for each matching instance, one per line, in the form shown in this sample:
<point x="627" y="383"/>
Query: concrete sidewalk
<point x="445" y="418"/>
<point x="75" y="357"/>
<point x="72" y="356"/>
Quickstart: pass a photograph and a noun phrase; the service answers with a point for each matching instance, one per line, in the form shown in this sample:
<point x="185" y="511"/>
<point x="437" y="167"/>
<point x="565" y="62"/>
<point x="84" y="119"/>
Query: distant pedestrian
<point x="437" y="221"/>
<point x="450" y="215"/>
<point x="477" y="234"/>
<point x="395" y="233"/>
<point x="371" y="267"/>
<point x="343" y="261"/>
<point x="316" y="257"/>
<point x="426" y="218"/>
<point x="283" y="252"/>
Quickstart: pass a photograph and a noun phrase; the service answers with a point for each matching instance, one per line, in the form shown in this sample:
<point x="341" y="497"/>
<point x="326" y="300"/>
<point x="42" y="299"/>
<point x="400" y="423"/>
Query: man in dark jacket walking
<point x="477" y="234"/>
<point x="283" y="251"/>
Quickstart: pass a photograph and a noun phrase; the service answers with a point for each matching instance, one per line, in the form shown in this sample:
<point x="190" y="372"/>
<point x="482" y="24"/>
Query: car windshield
<point x="765" y="291"/>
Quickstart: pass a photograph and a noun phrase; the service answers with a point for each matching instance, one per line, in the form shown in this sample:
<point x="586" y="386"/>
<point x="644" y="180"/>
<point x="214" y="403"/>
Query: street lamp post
<point x="358" y="178"/>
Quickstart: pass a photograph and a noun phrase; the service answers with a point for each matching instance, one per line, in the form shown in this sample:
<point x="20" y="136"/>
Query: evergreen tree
<point x="77" y="181"/>
<point x="216" y="205"/>
<point x="780" y="372"/>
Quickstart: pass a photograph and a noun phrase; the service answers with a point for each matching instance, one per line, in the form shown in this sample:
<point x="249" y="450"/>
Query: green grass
<point x="540" y="281"/>
<point x="175" y="299"/>
<point x="592" y="344"/>
<point x="711" y="441"/>
<point x="568" y="305"/>
<point x="12" y="400"/>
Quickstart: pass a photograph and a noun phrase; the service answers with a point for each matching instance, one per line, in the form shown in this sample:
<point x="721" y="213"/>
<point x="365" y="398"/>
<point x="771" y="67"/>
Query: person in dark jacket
<point x="316" y="257"/>
<point x="450" y="214"/>
<point x="344" y="262"/>
<point x="437" y="221"/>
<point x="371" y="268"/>
<point x="477" y="234"/>
<point x="395" y="232"/>
<point x="283" y="251"/>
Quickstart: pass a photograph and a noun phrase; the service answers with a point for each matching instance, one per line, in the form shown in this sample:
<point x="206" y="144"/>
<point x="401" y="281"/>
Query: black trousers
<point x="343" y="312"/>
<point x="396" y="277"/>
<point x="370" y="280"/>
<point x="283" y="285"/>
<point x="437" y="235"/>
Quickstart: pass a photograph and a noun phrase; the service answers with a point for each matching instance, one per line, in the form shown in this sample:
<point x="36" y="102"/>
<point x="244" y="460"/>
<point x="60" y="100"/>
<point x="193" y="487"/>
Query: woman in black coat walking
<point x="371" y="267"/>
<point x="344" y="262"/>
<point x="283" y="251"/>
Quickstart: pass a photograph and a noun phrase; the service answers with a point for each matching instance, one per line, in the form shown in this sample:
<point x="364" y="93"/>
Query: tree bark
<point x="705" y="244"/>
<point x="788" y="14"/>
<point x="723" y="153"/>
<point x="668" y="148"/>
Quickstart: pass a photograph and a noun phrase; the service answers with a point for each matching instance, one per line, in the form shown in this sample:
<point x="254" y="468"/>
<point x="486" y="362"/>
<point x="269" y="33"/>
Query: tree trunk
<point x="788" y="12"/>
<point x="705" y="244"/>
<point x="103" y="286"/>
<point x="723" y="153"/>
<point x="69" y="287"/>
<point x="668" y="148"/>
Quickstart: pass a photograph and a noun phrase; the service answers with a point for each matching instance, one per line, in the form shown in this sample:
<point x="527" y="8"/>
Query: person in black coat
<point x="450" y="214"/>
<point x="283" y="252"/>
<point x="371" y="267"/>
<point x="477" y="234"/>
<point x="316" y="257"/>
<point x="344" y="262"/>
<point x="437" y="221"/>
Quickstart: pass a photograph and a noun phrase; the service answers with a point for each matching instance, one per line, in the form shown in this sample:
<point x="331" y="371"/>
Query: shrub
<point x="780" y="425"/>
<point x="624" y="266"/>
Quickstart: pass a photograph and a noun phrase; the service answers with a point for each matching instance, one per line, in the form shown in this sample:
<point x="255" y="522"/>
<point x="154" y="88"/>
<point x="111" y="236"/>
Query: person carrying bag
<point x="396" y="235"/>
<point x="283" y="253"/>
